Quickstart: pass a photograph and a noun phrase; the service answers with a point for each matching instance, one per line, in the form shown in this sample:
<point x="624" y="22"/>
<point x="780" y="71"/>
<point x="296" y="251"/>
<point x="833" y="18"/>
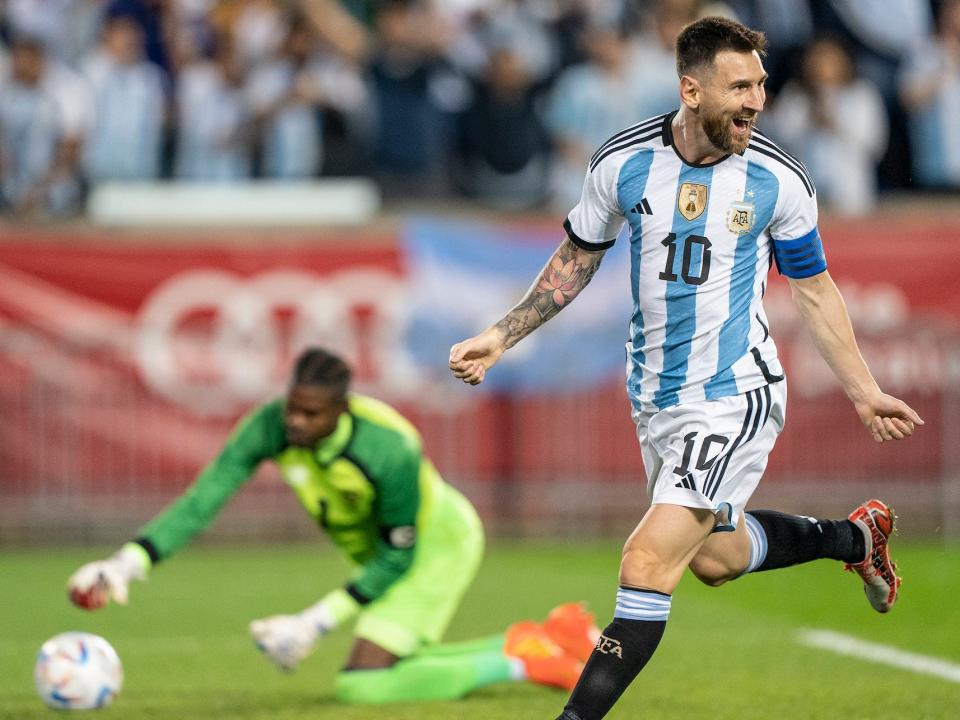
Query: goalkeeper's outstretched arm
<point x="256" y="437"/>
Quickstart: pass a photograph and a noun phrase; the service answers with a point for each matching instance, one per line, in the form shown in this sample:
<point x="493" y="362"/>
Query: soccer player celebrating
<point x="357" y="467"/>
<point x="710" y="202"/>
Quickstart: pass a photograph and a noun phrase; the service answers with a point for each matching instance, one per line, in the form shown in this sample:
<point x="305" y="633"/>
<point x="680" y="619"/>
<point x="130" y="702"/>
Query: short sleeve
<point x="595" y="221"/>
<point x="797" y="247"/>
<point x="796" y="211"/>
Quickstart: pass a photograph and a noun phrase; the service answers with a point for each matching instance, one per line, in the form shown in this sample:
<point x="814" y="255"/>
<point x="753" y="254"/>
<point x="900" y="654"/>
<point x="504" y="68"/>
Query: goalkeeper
<point x="357" y="467"/>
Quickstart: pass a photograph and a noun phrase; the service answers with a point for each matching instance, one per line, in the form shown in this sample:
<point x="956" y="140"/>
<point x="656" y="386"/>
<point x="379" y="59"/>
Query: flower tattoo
<point x="560" y="280"/>
<point x="567" y="273"/>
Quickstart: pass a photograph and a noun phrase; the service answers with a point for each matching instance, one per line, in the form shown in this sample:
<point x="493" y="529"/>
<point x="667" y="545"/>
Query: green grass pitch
<point x="729" y="652"/>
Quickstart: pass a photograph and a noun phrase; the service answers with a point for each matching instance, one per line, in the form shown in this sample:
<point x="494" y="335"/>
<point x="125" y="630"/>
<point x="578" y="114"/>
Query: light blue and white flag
<point x="466" y="276"/>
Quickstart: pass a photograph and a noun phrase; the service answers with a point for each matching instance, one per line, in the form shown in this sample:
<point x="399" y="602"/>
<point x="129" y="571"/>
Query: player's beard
<point x="716" y="126"/>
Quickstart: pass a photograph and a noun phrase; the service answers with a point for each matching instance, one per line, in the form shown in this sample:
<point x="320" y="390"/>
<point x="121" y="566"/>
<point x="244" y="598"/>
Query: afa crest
<point x="740" y="217"/>
<point x="692" y="200"/>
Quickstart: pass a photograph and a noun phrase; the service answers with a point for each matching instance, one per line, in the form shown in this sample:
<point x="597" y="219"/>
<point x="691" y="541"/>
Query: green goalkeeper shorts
<point x="418" y="608"/>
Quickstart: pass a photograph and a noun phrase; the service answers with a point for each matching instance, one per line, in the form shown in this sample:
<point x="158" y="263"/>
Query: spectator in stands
<point x="41" y="20"/>
<point x="788" y="25"/>
<point x="411" y="135"/>
<point x="882" y="36"/>
<point x="290" y="97"/>
<point x="215" y="136"/>
<point x="155" y="18"/>
<point x="622" y="83"/>
<point x="129" y="106"/>
<point x="589" y="102"/>
<point x="522" y="27"/>
<point x="44" y="115"/>
<point x="503" y="148"/>
<point x="341" y="25"/>
<point x="285" y="100"/>
<point x="349" y="117"/>
<point x="879" y="37"/>
<point x="838" y="124"/>
<point x="258" y="28"/>
<point x="68" y="29"/>
<point x="465" y="49"/>
<point x="930" y="89"/>
<point x="654" y="55"/>
<point x="191" y="32"/>
<point x="573" y="19"/>
<point x="345" y="33"/>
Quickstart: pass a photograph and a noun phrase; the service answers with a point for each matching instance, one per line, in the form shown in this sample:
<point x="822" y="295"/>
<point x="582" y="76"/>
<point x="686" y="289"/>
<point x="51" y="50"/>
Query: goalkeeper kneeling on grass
<point x="357" y="467"/>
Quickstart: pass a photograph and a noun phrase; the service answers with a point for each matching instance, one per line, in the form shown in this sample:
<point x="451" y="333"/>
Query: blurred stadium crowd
<point x="498" y="101"/>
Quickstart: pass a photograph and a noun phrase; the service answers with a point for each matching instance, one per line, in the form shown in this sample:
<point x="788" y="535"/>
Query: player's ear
<point x="690" y="91"/>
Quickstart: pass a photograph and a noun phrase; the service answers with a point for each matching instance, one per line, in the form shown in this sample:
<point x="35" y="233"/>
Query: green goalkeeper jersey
<point x="367" y="485"/>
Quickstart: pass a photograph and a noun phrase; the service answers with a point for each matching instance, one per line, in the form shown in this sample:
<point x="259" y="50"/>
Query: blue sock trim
<point x="758" y="542"/>
<point x="642" y="605"/>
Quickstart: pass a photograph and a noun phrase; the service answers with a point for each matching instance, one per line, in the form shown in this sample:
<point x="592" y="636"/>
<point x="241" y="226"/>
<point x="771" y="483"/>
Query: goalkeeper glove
<point x="96" y="583"/>
<point x="288" y="639"/>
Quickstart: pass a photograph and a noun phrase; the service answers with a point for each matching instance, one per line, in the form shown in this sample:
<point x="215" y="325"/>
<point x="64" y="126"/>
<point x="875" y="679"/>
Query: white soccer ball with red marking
<point x="77" y="671"/>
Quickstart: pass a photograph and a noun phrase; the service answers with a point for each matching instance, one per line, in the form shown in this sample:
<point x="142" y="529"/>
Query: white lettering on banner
<point x="214" y="341"/>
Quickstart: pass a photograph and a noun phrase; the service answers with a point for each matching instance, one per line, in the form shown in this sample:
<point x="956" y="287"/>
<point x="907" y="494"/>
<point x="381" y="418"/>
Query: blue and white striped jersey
<point x="702" y="239"/>
<point x="125" y="140"/>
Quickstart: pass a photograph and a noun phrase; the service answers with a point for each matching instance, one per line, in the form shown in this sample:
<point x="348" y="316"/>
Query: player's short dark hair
<point x="315" y="366"/>
<point x="700" y="41"/>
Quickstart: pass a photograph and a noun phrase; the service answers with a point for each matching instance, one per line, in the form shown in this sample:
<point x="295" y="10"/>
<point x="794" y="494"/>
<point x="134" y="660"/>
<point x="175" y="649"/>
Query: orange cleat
<point x="572" y="627"/>
<point x="878" y="572"/>
<point x="545" y="661"/>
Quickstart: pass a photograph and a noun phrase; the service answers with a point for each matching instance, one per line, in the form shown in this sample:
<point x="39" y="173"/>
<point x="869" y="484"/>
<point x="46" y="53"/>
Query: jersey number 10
<point x="670" y="242"/>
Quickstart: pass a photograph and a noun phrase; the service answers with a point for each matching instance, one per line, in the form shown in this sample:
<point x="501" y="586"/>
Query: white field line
<point x="883" y="654"/>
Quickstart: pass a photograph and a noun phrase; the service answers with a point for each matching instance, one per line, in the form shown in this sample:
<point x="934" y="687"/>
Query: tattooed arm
<point x="561" y="280"/>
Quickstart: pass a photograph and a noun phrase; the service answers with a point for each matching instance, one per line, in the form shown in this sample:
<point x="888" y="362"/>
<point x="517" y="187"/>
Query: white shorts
<point x="711" y="454"/>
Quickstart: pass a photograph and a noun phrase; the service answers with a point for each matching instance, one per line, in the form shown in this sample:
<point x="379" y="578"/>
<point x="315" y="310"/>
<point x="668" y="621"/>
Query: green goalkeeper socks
<point x="438" y="673"/>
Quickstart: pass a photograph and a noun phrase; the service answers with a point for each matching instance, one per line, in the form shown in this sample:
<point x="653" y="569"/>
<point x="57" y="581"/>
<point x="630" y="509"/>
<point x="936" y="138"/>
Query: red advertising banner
<point x="124" y="361"/>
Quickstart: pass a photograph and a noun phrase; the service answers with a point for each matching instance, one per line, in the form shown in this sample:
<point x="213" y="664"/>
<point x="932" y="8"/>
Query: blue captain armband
<point x="800" y="258"/>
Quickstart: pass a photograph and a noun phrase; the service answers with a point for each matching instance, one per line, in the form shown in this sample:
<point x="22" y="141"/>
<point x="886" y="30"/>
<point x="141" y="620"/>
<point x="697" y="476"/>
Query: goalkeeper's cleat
<point x="878" y="572"/>
<point x="284" y="639"/>
<point x="545" y="662"/>
<point x="572" y="627"/>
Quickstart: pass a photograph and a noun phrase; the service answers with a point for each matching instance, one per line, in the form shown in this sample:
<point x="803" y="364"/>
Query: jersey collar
<point x="667" y="135"/>
<point x="333" y="445"/>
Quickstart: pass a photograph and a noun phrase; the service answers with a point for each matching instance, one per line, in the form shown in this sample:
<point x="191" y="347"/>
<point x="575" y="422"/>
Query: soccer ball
<point x="77" y="671"/>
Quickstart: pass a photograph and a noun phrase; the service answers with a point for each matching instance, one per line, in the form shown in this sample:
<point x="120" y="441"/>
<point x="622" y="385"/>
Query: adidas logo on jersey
<point x="643" y="208"/>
